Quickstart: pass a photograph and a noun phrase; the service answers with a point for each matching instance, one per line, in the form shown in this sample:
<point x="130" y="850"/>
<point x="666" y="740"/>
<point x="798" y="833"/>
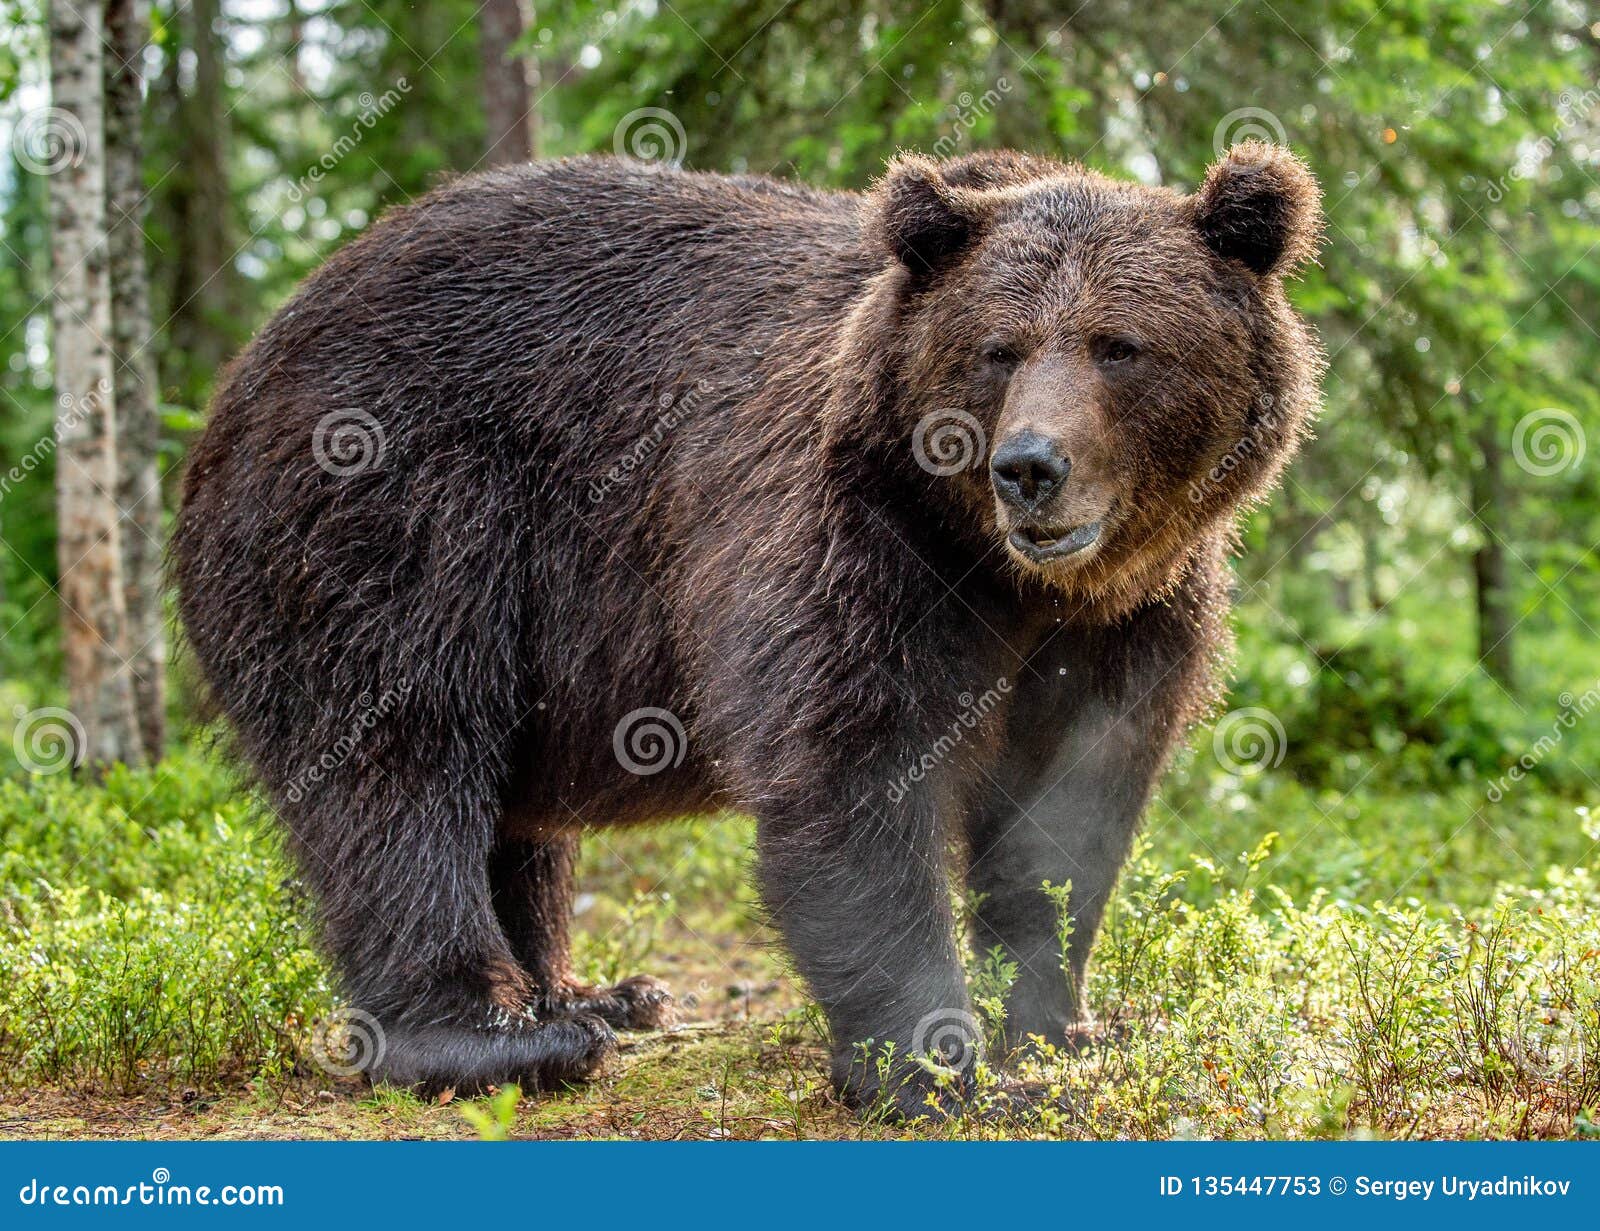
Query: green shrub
<point x="148" y="934"/>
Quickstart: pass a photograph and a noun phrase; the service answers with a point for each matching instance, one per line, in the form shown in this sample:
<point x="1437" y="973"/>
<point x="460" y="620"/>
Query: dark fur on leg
<point x="535" y="1055"/>
<point x="862" y="901"/>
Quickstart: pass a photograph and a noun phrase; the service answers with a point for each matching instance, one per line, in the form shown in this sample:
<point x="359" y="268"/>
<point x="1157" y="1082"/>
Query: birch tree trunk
<point x="138" y="427"/>
<point x="89" y="552"/>
<point x="507" y="97"/>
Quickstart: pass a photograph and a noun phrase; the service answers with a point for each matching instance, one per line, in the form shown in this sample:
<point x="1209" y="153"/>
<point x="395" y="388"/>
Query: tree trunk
<point x="507" y="97"/>
<point x="1489" y="560"/>
<point x="202" y="307"/>
<point x="295" y="33"/>
<point x="88" y="534"/>
<point x="138" y="428"/>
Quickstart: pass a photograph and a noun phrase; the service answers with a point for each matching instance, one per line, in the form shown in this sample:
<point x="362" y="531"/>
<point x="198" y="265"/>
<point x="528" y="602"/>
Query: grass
<point x="1391" y="964"/>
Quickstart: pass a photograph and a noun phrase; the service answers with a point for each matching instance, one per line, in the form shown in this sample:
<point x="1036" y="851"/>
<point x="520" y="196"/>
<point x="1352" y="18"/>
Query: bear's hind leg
<point x="402" y="875"/>
<point x="533" y="898"/>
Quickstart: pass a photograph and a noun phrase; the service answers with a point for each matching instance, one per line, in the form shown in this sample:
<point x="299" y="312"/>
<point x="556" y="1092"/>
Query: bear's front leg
<point x="1094" y="718"/>
<point x="857" y="886"/>
<point x="1065" y="815"/>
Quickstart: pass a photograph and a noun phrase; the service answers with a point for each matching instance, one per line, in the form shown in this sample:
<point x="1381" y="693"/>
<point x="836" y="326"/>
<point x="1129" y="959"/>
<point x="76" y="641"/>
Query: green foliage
<point x="148" y="937"/>
<point x="151" y="941"/>
<point x="1257" y="1016"/>
<point x="624" y="947"/>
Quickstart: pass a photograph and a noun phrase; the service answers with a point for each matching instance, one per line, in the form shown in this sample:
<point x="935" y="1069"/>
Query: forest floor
<point x="1392" y="966"/>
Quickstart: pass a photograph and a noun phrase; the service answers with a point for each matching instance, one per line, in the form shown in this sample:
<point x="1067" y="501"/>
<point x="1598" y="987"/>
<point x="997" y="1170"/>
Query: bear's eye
<point x="999" y="355"/>
<point x="1116" y="350"/>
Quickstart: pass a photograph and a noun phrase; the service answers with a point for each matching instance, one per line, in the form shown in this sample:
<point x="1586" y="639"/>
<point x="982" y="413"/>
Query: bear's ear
<point x="1261" y="207"/>
<point x="920" y="218"/>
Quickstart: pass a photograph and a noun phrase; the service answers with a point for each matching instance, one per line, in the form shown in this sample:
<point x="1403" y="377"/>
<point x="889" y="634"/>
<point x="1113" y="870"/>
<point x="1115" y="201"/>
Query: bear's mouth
<point x="1041" y="544"/>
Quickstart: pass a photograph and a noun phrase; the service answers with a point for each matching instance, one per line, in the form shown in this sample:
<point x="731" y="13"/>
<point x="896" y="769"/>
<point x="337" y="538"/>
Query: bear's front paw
<point x="1008" y="1101"/>
<point x="903" y="1089"/>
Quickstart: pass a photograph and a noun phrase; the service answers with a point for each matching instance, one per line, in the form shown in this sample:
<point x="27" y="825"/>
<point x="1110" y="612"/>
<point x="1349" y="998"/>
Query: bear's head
<point x="1090" y="375"/>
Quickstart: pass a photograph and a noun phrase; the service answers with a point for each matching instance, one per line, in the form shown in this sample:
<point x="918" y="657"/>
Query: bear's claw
<point x="641" y="1002"/>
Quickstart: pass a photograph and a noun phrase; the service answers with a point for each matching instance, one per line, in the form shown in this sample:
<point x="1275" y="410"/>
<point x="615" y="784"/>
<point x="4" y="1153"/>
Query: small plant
<point x="493" y="1118"/>
<point x="1061" y="898"/>
<point x="989" y="980"/>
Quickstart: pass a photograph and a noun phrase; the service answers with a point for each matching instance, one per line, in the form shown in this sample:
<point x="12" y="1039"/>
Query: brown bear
<point x="590" y="492"/>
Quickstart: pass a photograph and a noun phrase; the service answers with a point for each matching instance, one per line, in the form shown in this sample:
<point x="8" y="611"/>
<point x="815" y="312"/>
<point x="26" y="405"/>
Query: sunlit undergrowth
<point x="1255" y="1015"/>
<point x="153" y="944"/>
<point x="149" y="935"/>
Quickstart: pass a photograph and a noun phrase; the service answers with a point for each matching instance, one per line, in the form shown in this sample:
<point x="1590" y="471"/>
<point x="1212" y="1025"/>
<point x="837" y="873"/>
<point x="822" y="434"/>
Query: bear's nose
<point x="1026" y="469"/>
